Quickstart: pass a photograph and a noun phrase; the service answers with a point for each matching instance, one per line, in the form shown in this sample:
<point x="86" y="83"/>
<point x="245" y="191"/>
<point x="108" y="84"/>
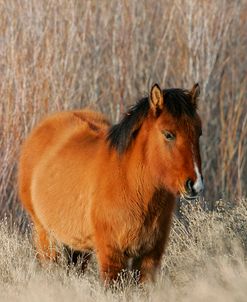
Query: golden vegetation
<point x="205" y="260"/>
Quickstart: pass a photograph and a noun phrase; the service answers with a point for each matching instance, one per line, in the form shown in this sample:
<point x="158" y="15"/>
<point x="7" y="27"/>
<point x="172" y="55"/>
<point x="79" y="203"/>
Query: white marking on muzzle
<point x="198" y="185"/>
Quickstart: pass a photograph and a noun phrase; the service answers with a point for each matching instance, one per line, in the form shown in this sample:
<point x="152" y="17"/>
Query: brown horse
<point x="112" y="189"/>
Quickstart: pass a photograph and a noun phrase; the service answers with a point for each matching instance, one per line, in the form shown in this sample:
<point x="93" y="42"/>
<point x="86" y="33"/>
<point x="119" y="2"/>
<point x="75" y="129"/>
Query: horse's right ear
<point x="195" y="92"/>
<point x="156" y="99"/>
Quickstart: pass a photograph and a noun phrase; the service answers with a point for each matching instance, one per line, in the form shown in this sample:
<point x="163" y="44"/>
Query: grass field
<point x="61" y="55"/>
<point x="205" y="261"/>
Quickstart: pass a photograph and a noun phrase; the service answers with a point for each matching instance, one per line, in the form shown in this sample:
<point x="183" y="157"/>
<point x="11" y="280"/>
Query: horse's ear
<point x="156" y="99"/>
<point x="195" y="92"/>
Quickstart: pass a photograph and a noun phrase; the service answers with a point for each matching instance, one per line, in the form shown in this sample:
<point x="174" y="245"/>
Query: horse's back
<point x="50" y="135"/>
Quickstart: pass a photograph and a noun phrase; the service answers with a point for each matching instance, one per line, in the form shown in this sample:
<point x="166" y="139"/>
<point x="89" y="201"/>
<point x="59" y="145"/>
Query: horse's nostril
<point x="189" y="185"/>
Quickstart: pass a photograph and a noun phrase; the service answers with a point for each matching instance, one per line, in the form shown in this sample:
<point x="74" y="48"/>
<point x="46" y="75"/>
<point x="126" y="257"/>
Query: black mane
<point x="177" y="102"/>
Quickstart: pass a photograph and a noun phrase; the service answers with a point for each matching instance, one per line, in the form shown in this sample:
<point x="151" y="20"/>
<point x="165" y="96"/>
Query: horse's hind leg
<point x="45" y="245"/>
<point x="78" y="258"/>
<point x="85" y="258"/>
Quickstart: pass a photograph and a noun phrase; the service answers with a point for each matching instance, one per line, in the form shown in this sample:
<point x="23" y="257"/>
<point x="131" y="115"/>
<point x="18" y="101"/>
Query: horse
<point x="111" y="189"/>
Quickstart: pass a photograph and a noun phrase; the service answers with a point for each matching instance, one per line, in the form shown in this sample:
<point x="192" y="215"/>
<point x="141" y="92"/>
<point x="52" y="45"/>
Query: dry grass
<point x="205" y="260"/>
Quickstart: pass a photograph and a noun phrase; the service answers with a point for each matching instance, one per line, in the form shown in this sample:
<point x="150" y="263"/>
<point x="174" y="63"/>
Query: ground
<point x="205" y="260"/>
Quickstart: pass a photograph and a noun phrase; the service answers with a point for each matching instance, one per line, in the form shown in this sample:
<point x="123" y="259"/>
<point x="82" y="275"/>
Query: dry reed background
<point x="58" y="55"/>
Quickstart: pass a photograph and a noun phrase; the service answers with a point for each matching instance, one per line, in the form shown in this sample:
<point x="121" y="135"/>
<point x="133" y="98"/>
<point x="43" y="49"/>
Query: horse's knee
<point x="148" y="270"/>
<point x="148" y="266"/>
<point x="111" y="263"/>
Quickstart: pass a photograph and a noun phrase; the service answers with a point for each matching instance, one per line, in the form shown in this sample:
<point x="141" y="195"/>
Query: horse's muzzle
<point x="194" y="190"/>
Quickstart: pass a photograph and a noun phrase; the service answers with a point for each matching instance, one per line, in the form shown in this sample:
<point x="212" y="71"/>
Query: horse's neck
<point x="148" y="197"/>
<point x="141" y="186"/>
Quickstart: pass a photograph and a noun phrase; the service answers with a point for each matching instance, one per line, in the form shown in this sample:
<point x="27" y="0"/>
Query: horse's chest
<point x="143" y="237"/>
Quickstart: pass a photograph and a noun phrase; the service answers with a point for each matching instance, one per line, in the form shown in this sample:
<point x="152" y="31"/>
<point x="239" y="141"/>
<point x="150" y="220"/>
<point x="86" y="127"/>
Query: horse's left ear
<point x="156" y="99"/>
<point x="195" y="92"/>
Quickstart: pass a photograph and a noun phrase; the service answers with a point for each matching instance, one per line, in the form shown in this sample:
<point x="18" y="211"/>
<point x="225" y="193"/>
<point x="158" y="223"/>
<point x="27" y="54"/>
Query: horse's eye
<point x="168" y="135"/>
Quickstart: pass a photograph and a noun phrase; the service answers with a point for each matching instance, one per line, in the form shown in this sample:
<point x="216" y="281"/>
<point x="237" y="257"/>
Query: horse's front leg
<point x="111" y="263"/>
<point x="149" y="263"/>
<point x="147" y="267"/>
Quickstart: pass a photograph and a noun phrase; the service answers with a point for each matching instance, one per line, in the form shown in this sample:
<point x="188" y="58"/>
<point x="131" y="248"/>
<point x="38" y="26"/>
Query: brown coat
<point x="82" y="192"/>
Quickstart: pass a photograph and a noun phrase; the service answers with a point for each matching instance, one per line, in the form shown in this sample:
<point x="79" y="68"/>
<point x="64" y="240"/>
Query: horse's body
<point x="93" y="186"/>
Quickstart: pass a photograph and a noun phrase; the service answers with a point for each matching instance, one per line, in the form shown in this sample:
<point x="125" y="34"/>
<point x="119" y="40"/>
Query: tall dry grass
<point x="205" y="261"/>
<point x="58" y="55"/>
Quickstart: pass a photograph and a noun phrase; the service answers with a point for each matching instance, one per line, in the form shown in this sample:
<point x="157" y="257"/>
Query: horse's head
<point x="174" y="129"/>
<point x="166" y="129"/>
